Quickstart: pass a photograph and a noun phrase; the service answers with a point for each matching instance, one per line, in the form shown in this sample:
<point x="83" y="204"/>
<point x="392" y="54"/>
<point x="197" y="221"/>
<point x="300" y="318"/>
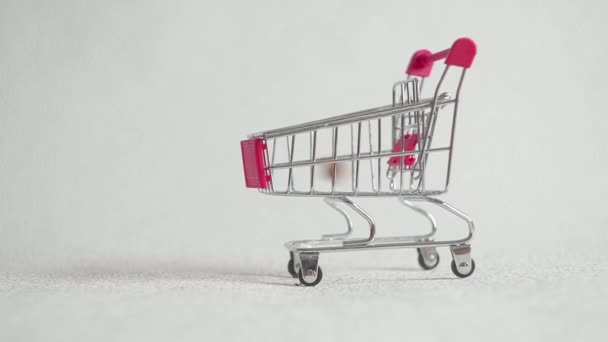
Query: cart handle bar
<point x="460" y="54"/>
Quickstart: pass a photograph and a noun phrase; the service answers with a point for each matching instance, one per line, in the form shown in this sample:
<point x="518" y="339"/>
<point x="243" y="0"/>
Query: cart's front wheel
<point x="291" y="268"/>
<point x="460" y="274"/>
<point x="311" y="278"/>
<point x="426" y="260"/>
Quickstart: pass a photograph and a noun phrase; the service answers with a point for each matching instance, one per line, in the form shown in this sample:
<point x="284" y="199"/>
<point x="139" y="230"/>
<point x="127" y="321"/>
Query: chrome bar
<point x="379" y="151"/>
<point x="409" y="193"/>
<point x="362" y="156"/>
<point x="333" y="203"/>
<point x="371" y="152"/>
<point x="357" y="160"/>
<point x="367" y="217"/>
<point x="334" y="151"/>
<point x="307" y="246"/>
<point x="373" y="113"/>
<point x="291" y="153"/>
<point x="431" y="218"/>
<point x="453" y="132"/>
<point x="313" y="153"/>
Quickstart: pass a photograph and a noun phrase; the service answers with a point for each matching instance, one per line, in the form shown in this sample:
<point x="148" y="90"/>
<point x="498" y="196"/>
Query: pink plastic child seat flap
<point x="254" y="165"/>
<point x="407" y="143"/>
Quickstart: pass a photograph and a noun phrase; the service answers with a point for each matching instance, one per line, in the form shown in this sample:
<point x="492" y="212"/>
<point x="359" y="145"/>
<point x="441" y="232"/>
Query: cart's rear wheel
<point x="311" y="279"/>
<point x="291" y="269"/>
<point x="461" y="275"/>
<point x="428" y="261"/>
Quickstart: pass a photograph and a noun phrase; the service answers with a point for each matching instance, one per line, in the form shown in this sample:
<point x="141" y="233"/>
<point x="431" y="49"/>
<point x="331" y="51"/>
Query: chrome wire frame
<point x="408" y="114"/>
<point x="373" y="242"/>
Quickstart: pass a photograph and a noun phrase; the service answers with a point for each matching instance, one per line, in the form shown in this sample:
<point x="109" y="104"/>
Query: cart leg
<point x="333" y="203"/>
<point x="307" y="267"/>
<point x="367" y="217"/>
<point x="428" y="258"/>
<point x="455" y="212"/>
<point x="429" y="236"/>
<point x="462" y="264"/>
<point x="347" y="202"/>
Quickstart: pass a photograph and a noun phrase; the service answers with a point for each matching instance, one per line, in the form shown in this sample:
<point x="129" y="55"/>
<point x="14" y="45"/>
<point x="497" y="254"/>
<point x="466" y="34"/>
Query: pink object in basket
<point x="254" y="163"/>
<point x="407" y="143"/>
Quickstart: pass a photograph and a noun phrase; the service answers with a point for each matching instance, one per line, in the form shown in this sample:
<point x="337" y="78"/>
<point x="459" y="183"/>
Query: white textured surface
<point x="528" y="296"/>
<point x="122" y="210"/>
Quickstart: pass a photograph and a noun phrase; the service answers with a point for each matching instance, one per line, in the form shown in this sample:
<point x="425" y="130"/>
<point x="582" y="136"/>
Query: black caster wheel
<point x="291" y="269"/>
<point x="313" y="282"/>
<point x="426" y="264"/>
<point x="460" y="275"/>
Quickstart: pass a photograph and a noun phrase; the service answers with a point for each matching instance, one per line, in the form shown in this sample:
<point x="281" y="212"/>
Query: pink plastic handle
<point x="461" y="54"/>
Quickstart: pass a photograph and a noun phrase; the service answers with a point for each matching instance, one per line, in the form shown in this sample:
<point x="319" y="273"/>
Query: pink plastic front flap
<point x="462" y="53"/>
<point x="254" y="165"/>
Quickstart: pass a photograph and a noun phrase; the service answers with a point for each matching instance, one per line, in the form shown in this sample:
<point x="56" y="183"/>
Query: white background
<point x="123" y="213"/>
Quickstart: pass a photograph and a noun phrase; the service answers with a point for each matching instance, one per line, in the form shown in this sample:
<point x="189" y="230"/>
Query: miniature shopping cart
<point x="402" y="150"/>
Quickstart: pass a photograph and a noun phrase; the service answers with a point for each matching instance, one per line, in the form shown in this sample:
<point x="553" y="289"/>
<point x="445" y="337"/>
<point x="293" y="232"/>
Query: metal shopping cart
<point x="378" y="152"/>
